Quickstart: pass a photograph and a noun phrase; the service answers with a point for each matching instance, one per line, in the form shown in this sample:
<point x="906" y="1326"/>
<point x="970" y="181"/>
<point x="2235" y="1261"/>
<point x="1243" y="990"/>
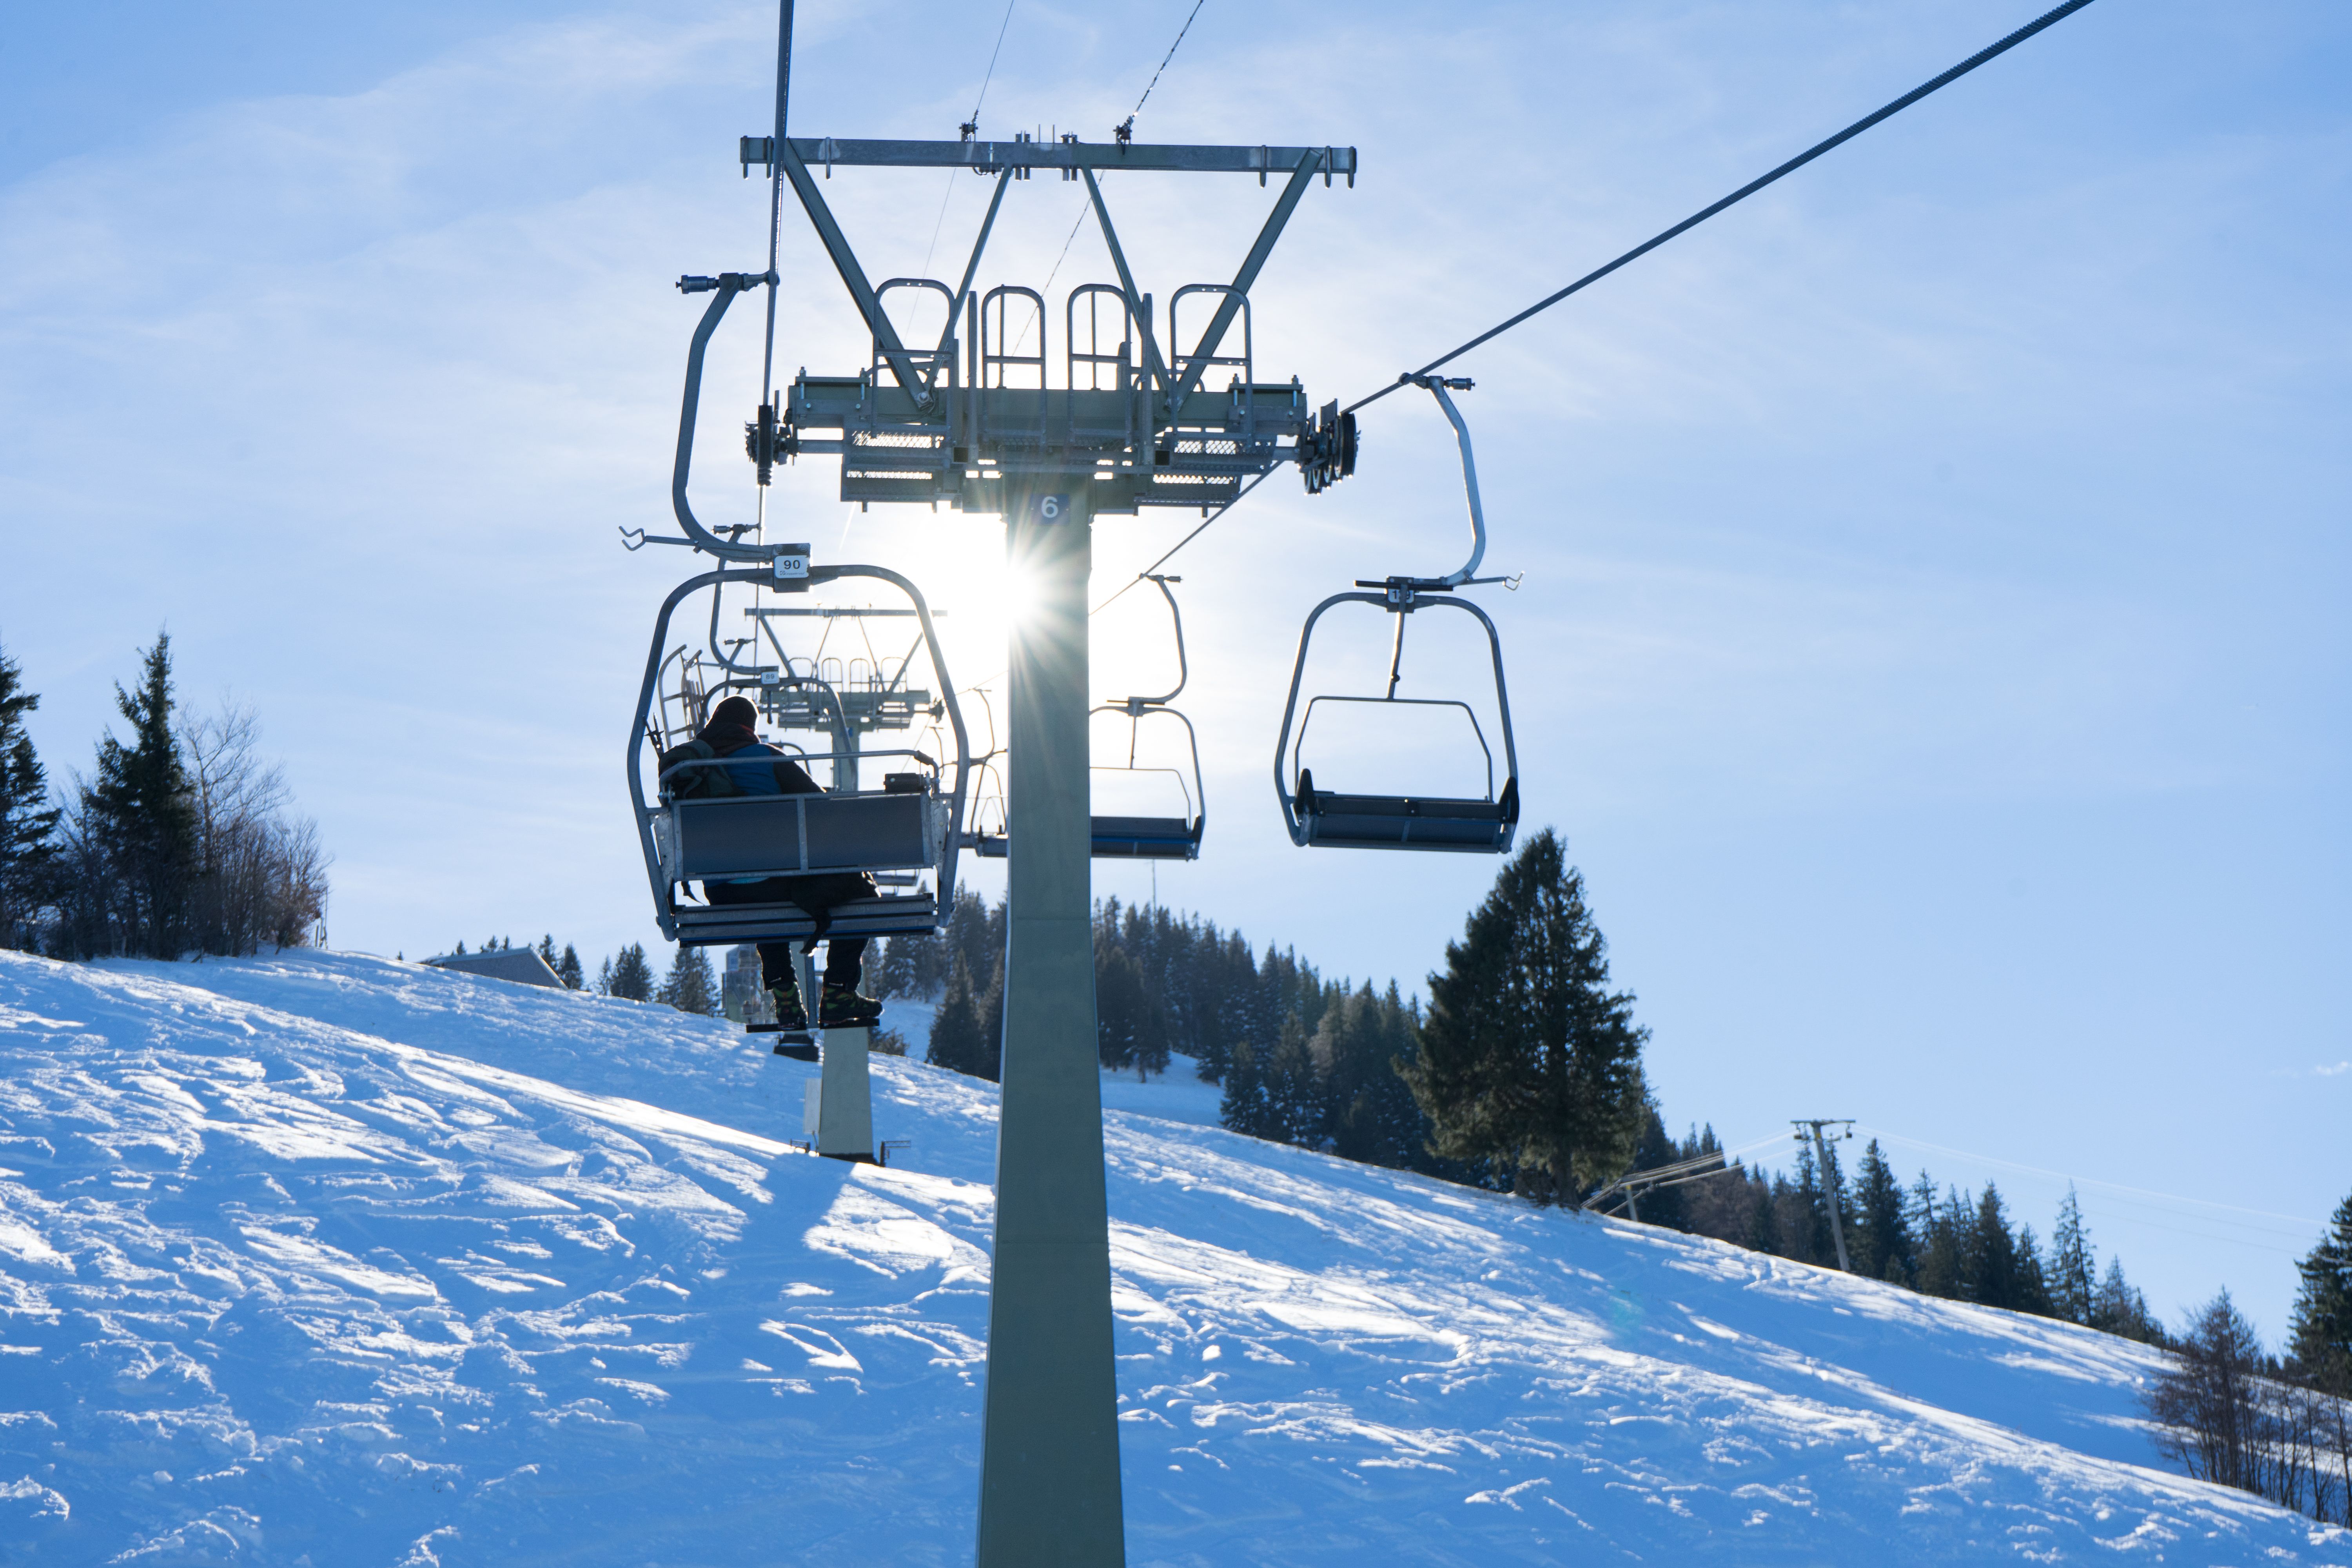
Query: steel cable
<point x="2045" y="20"/>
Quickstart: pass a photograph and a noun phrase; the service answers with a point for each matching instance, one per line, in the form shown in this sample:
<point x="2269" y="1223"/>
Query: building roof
<point x="520" y="964"/>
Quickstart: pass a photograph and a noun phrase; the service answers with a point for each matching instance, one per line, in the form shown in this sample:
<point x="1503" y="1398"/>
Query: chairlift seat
<point x="1147" y="838"/>
<point x="723" y="925"/>
<point x="1120" y="838"/>
<point x="1332" y="820"/>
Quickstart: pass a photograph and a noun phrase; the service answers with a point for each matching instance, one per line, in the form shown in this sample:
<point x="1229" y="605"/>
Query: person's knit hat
<point x="737" y="711"/>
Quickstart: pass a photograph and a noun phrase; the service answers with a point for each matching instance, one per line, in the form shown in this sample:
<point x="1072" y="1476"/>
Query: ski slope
<point x="335" y="1260"/>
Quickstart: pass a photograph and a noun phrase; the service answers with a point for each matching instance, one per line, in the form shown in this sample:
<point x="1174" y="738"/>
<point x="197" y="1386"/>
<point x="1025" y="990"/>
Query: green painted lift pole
<point x="1049" y="1484"/>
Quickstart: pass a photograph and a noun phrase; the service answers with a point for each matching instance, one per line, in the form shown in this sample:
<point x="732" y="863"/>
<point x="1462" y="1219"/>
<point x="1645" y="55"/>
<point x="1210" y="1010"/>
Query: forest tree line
<point x="181" y="838"/>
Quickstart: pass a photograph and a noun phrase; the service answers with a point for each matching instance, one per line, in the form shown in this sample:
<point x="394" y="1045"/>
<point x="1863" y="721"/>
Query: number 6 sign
<point x="1050" y="507"/>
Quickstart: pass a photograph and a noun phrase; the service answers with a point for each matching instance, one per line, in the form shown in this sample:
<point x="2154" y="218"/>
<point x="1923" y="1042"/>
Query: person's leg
<point x="783" y="986"/>
<point x="844" y="961"/>
<point x="841" y="1006"/>
<point x="775" y="957"/>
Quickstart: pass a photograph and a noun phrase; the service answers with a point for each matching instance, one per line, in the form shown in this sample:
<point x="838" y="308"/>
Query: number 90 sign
<point x="1050" y="508"/>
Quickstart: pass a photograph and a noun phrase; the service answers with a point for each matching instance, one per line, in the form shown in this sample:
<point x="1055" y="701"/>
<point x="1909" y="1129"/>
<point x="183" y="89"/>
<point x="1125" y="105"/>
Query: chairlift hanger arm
<point x="1135" y="705"/>
<point x="993" y="157"/>
<point x="724" y="288"/>
<point x="1437" y="386"/>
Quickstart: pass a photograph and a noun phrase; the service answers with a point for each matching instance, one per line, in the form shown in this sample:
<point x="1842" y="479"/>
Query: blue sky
<point x="1931" y="642"/>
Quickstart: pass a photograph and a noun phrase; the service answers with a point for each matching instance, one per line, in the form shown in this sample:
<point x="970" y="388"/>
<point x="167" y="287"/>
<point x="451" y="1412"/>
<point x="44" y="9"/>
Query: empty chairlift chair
<point x="901" y="833"/>
<point x="1131" y="837"/>
<point x="1157" y="837"/>
<point x="1323" y="818"/>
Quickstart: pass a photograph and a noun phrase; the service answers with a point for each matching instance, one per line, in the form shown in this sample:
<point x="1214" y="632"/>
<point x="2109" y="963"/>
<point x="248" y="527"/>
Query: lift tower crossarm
<point x="987" y="157"/>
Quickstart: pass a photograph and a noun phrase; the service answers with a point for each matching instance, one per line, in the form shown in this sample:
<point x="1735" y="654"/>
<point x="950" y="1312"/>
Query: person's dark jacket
<point x="774" y="774"/>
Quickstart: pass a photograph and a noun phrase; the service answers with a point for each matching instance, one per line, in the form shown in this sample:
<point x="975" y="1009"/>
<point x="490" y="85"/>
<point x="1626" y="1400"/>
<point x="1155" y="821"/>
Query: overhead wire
<point x="1080" y="220"/>
<point x="2047" y="19"/>
<point x="973" y="121"/>
<point x="2142" y="1192"/>
<point x="775" y="226"/>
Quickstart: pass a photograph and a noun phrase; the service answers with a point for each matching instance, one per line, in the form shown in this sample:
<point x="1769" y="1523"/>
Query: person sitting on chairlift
<point x="730" y="734"/>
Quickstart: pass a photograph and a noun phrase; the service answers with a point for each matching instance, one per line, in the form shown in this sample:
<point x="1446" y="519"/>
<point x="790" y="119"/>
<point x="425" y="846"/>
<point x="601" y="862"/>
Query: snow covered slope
<point x="338" y="1260"/>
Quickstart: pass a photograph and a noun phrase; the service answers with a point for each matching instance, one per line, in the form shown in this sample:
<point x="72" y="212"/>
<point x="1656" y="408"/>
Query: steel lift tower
<point x="974" y="421"/>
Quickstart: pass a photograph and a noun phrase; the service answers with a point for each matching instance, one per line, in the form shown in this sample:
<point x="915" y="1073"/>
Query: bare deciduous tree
<point x="261" y="875"/>
<point x="2227" y="1414"/>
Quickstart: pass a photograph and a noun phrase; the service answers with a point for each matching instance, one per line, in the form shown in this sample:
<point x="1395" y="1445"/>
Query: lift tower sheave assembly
<point x="1142" y="417"/>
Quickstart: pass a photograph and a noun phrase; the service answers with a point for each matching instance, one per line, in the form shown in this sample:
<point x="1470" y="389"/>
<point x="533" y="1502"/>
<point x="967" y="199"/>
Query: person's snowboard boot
<point x="791" y="1018"/>
<point x="841" y="1008"/>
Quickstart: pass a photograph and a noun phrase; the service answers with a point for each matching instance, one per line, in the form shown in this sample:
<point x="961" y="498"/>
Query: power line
<point x="1856" y="129"/>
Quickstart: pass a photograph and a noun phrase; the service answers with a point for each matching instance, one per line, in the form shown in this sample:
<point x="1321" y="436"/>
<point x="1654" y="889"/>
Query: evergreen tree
<point x="2321" y="1334"/>
<point x="1763" y="1217"/>
<point x="1943" y="1242"/>
<point x="137" y="825"/>
<point x="1294" y="1089"/>
<point x="632" y="977"/>
<point x="2120" y="1309"/>
<point x="1528" y="1059"/>
<point x="1884" y="1246"/>
<point x="1130" y="1019"/>
<point x="604" y="976"/>
<point x="567" y="970"/>
<point x="1247" y="1107"/>
<point x="2032" y="1285"/>
<point x="28" y="846"/>
<point x="546" y="950"/>
<point x="914" y="965"/>
<point x="690" y="986"/>
<point x="2072" y="1269"/>
<point x="1228" y="983"/>
<point x="1363" y="1045"/>
<point x="967" y="1032"/>
<point x="1665" y="1205"/>
<point x="1993" y="1262"/>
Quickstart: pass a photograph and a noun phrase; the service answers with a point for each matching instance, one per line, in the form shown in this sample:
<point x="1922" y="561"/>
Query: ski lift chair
<point x="1322" y="818"/>
<point x="1157" y="837"/>
<point x="1128" y="837"/>
<point x="905" y="828"/>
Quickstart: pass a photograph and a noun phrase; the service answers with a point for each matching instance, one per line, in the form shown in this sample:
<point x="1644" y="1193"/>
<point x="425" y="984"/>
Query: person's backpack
<point x="695" y="784"/>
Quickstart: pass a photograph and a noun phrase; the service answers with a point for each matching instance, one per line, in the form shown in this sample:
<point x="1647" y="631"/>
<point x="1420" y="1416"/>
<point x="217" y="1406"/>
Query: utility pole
<point x="975" y="422"/>
<point x="1830" y="1182"/>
